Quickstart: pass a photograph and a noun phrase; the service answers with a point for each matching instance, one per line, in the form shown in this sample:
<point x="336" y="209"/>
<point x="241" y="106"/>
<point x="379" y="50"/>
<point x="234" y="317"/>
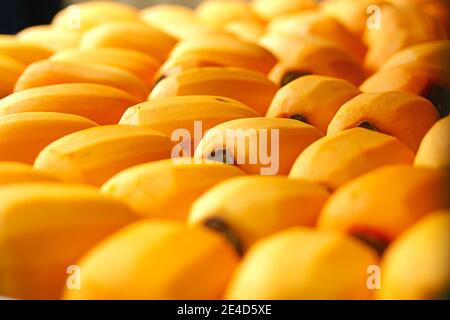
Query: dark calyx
<point x="159" y="80"/>
<point x="217" y="224"/>
<point x="221" y="155"/>
<point x="291" y="76"/>
<point x="299" y="117"/>
<point x="376" y="242"/>
<point x="367" y="125"/>
<point x="220" y="99"/>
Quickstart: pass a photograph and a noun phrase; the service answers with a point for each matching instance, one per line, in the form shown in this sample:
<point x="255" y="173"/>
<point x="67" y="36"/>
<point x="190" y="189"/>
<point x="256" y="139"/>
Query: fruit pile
<point x="118" y="180"/>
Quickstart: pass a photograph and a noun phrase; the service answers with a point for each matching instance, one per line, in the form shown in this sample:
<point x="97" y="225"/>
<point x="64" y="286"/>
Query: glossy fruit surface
<point x="416" y="265"/>
<point x="166" y="189"/>
<point x="337" y="159"/>
<point x="40" y="234"/>
<point x="48" y="72"/>
<point x="302" y="263"/>
<point x="140" y="260"/>
<point x="312" y="99"/>
<point x="434" y="148"/>
<point x="378" y="204"/>
<point x="258" y="145"/>
<point x="94" y="155"/>
<point x="100" y="103"/>
<point x="24" y="135"/>
<point x="403" y="115"/>
<point x="277" y="203"/>
<point x="249" y="87"/>
<point x="17" y="172"/>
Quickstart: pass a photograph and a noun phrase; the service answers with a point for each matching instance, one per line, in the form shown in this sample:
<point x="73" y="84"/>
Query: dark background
<point x="18" y="14"/>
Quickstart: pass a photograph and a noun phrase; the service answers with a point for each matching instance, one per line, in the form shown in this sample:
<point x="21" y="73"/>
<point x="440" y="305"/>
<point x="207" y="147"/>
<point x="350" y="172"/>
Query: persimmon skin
<point x="434" y="151"/>
<point x="306" y="96"/>
<point x="387" y="201"/>
<point x="401" y="27"/>
<point x="404" y="115"/>
<point x="337" y="159"/>
<point x="415" y="267"/>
